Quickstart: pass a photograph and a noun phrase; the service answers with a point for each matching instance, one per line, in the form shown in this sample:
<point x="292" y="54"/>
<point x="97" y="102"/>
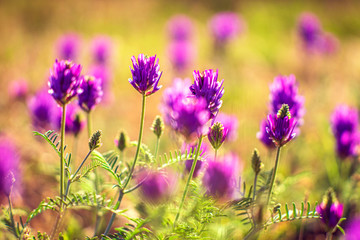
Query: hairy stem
<point x="188" y="181"/>
<point x="121" y="194"/>
<point x="274" y="174"/>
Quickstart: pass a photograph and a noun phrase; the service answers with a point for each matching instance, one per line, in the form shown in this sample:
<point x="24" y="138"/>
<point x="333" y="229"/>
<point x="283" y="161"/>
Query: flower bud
<point x="95" y="140"/>
<point x="122" y="142"/>
<point x="158" y="126"/>
<point x="217" y="135"/>
<point x="256" y="162"/>
<point x="330" y="210"/>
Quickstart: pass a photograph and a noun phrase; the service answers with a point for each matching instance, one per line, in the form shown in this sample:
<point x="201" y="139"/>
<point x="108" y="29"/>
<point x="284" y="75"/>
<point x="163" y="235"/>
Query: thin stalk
<point x="255" y="181"/>
<point x="329" y="235"/>
<point x="189" y="179"/>
<point x="89" y="125"/>
<point x="216" y="153"/>
<point x="74" y="149"/>
<point x="12" y="218"/>
<point x="132" y="167"/>
<point x="62" y="143"/>
<point x="274" y="174"/>
<point x="157" y="147"/>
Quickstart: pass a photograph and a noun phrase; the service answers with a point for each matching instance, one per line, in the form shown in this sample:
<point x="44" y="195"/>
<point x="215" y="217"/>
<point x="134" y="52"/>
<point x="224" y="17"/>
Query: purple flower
<point x="217" y="135"/>
<point x="198" y="167"/>
<point x="281" y="126"/>
<point x="263" y="136"/>
<point x="18" y="89"/>
<point x="230" y="124"/>
<point x="206" y="86"/>
<point x="73" y="123"/>
<point x="180" y="28"/>
<point x="189" y="118"/>
<point x="284" y="90"/>
<point x="146" y="74"/>
<point x="41" y="107"/>
<point x="157" y="186"/>
<point x="101" y="48"/>
<point x="220" y="176"/>
<point x="89" y="93"/>
<point x="177" y="92"/>
<point x="344" y="125"/>
<point x="191" y="148"/>
<point x="64" y="81"/>
<point x="9" y="161"/>
<point x="181" y="54"/>
<point x="309" y="29"/>
<point x="328" y="44"/>
<point x="225" y="26"/>
<point x="353" y="230"/>
<point x="330" y="210"/>
<point x="68" y="46"/>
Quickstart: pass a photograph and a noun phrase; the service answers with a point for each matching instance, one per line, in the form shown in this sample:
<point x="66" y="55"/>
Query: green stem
<point x="88" y="119"/>
<point x="12" y="218"/>
<point x="121" y="194"/>
<point x="255" y="181"/>
<point x="274" y="174"/>
<point x="157" y="147"/>
<point x="189" y="179"/>
<point x="62" y="144"/>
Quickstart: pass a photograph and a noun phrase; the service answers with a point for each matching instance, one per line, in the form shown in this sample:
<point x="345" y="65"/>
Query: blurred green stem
<point x="157" y="147"/>
<point x="189" y="179"/>
<point x="121" y="194"/>
<point x="273" y="174"/>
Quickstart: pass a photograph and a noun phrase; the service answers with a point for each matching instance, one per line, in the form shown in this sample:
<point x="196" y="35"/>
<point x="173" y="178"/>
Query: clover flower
<point x="230" y="124"/>
<point x="263" y="136"/>
<point x="101" y="48"/>
<point x="146" y="74"/>
<point x="180" y="28"/>
<point x="64" y="81"/>
<point x="344" y="124"/>
<point x="309" y="29"/>
<point x="89" y="93"/>
<point x="281" y="126"/>
<point x="68" y="46"/>
<point x="225" y="26"/>
<point x="206" y="86"/>
<point x="284" y="90"/>
<point x="330" y="210"/>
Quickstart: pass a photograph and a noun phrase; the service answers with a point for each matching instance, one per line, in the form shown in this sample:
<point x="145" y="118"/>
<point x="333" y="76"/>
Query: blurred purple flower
<point x="89" y="93"/>
<point x="180" y="28"/>
<point x="9" y="161"/>
<point x="230" y="123"/>
<point x="263" y="136"/>
<point x="68" y="46"/>
<point x="181" y="54"/>
<point x="156" y="186"/>
<point x="344" y="124"/>
<point x="309" y="29"/>
<point x="176" y="92"/>
<point x="41" y="107"/>
<point x="101" y="48"/>
<point x="220" y="176"/>
<point x="284" y="90"/>
<point x="225" y="26"/>
<point x="198" y="167"/>
<point x="206" y="86"/>
<point x="328" y="44"/>
<point x="64" y="81"/>
<point x="189" y="118"/>
<point x="18" y="89"/>
<point x="280" y="126"/>
<point x="330" y="210"/>
<point x="146" y="74"/>
<point x="191" y="148"/>
<point x="73" y="123"/>
<point x="353" y="230"/>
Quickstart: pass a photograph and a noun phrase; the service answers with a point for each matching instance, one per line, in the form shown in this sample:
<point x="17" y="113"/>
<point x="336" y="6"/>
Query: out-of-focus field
<point x="268" y="47"/>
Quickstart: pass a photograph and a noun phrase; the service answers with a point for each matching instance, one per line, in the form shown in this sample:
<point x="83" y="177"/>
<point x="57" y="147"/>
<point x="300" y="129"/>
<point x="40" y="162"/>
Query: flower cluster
<point x="344" y="125"/>
<point x="90" y="92"/>
<point x="225" y="26"/>
<point x="145" y="74"/>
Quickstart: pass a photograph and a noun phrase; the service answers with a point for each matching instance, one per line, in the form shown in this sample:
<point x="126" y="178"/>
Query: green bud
<point x="216" y="135"/>
<point x="256" y="161"/>
<point x="284" y="111"/>
<point x="158" y="126"/>
<point x="94" y="141"/>
<point x="122" y="143"/>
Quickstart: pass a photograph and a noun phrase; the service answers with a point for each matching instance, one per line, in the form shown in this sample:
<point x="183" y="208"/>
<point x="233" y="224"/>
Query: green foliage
<point x="176" y="157"/>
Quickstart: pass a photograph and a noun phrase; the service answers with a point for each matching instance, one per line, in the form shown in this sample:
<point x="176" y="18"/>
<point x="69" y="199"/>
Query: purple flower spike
<point x="220" y="176"/>
<point x="189" y="118"/>
<point x="89" y="93"/>
<point x="156" y="187"/>
<point x="284" y="90"/>
<point x="181" y="54"/>
<point x="68" y="46"/>
<point x="353" y="230"/>
<point x="344" y="125"/>
<point x="281" y="126"/>
<point x="230" y="123"/>
<point x="206" y="86"/>
<point x="101" y="47"/>
<point x="146" y="74"/>
<point x="309" y="29"/>
<point x="9" y="160"/>
<point x="225" y="26"/>
<point x="264" y="137"/>
<point x="180" y="28"/>
<point x="64" y="81"/>
<point x="330" y="210"/>
<point x="41" y="107"/>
